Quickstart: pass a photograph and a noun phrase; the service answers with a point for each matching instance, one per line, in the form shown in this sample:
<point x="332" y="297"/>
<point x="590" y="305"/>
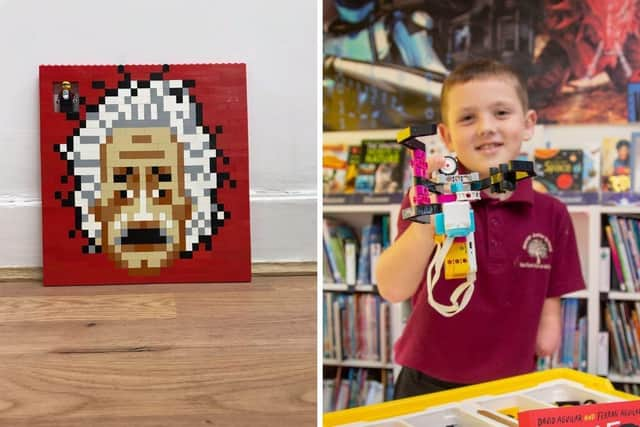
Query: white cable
<point x="465" y="289"/>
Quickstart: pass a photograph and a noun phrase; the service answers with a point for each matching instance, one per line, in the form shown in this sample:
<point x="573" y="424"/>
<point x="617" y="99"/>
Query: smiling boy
<point x="515" y="312"/>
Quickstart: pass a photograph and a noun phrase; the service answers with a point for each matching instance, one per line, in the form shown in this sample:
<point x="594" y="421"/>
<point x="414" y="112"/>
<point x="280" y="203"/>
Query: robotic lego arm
<point x="452" y="213"/>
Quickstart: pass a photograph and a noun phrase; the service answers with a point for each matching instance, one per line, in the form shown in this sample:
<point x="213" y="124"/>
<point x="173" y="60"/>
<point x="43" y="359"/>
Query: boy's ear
<point x="530" y="120"/>
<point x="445" y="135"/>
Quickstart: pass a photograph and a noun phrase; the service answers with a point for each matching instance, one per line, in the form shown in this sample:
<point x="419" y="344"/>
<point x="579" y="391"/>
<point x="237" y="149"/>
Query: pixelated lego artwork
<point x="144" y="174"/>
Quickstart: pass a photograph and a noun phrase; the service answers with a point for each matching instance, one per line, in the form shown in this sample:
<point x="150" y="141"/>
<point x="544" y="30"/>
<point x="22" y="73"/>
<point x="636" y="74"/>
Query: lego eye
<point x="450" y="166"/>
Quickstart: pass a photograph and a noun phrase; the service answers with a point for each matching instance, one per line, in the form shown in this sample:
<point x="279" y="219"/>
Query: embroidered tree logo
<point x="537" y="248"/>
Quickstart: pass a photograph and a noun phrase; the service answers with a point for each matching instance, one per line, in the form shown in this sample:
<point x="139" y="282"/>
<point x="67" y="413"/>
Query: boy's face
<point x="485" y="123"/>
<point x="623" y="152"/>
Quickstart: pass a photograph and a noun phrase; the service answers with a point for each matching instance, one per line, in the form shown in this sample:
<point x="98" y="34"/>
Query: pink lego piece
<point x="445" y="198"/>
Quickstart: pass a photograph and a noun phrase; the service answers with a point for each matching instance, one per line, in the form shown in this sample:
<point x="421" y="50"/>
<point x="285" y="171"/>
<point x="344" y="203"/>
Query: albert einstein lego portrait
<point x="145" y="175"/>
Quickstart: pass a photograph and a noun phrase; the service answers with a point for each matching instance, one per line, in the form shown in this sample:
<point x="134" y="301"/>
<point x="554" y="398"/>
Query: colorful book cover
<point x="353" y="162"/>
<point x="621" y="414"/>
<point x="633" y="102"/>
<point x="381" y="167"/>
<point x="559" y="169"/>
<point x="334" y="168"/>
<point x="616" y="165"/>
<point x="635" y="142"/>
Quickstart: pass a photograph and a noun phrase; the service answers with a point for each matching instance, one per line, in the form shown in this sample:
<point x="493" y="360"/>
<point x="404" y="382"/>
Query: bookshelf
<point x="359" y="216"/>
<point x="588" y="222"/>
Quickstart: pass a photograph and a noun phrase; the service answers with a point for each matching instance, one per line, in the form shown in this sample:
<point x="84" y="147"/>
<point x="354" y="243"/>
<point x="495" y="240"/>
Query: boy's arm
<point x="401" y="267"/>
<point x="550" y="327"/>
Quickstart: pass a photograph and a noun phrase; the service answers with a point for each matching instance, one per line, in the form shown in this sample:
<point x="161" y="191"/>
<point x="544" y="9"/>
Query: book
<point x="350" y="249"/>
<point x="334" y="168"/>
<point x="616" y="165"/>
<point x="635" y="142"/>
<point x="332" y="252"/>
<point x="603" y="353"/>
<point x="353" y="162"/>
<point x="622" y="254"/>
<point x="558" y="169"/>
<point x="604" y="272"/>
<point x="633" y="101"/>
<point x="615" y="258"/>
<point x="364" y="264"/>
<point x="594" y="415"/>
<point x="616" y="347"/>
<point x="381" y="167"/>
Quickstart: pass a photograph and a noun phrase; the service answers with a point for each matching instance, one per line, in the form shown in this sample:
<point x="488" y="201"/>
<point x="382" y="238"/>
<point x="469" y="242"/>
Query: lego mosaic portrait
<point x="144" y="174"/>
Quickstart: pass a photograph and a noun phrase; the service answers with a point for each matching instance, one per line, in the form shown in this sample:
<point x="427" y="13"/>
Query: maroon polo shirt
<point x="526" y="252"/>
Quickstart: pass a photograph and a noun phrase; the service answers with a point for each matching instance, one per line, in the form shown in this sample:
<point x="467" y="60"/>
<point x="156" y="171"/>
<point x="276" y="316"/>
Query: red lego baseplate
<point x="144" y="174"/>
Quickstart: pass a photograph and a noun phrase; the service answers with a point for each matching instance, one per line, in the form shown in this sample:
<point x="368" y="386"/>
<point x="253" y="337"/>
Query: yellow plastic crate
<point x="496" y="397"/>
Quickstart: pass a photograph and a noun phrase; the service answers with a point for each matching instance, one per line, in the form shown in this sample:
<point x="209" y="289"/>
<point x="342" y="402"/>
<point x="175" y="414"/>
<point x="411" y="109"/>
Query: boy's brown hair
<point x="482" y="68"/>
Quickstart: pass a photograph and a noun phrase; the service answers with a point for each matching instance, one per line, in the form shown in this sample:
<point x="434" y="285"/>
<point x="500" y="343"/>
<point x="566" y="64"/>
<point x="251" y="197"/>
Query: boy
<point x="525" y="246"/>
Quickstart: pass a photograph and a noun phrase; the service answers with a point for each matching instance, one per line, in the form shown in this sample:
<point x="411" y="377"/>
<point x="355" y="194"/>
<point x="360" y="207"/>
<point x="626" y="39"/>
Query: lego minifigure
<point x="66" y="99"/>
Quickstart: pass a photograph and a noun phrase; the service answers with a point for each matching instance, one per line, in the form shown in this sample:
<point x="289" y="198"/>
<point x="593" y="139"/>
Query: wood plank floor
<point x="159" y="355"/>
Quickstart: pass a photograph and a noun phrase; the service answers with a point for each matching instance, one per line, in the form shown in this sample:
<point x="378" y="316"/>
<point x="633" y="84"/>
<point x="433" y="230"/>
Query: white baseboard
<point x="283" y="229"/>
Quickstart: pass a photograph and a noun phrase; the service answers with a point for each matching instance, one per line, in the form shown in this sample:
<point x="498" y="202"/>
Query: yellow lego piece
<point x="456" y="263"/>
<point x="438" y="239"/>
<point x="403" y="134"/>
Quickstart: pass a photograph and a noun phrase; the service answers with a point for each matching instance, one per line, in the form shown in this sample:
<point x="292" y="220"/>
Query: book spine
<point x="626" y="271"/>
<point x="603" y="353"/>
<point x="350" y="262"/>
<point x="617" y="346"/>
<point x="582" y="328"/>
<point x="382" y="326"/>
<point x="337" y="327"/>
<point x="632" y="251"/>
<point x="326" y="243"/>
<point x="624" y="346"/>
<point x="327" y="333"/>
<point x="605" y="269"/>
<point x="615" y="259"/>
<point x="364" y="266"/>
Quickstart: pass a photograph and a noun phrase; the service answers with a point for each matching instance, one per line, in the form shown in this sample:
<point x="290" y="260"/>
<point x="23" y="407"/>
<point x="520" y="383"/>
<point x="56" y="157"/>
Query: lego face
<point x="142" y="205"/>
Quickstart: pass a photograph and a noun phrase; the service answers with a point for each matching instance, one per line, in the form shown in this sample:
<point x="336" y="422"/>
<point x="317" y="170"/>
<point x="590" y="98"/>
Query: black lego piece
<point x="421" y="213"/>
<point x="415" y="132"/>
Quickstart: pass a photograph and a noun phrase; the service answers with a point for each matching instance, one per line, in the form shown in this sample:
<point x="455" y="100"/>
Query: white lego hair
<point x="152" y="103"/>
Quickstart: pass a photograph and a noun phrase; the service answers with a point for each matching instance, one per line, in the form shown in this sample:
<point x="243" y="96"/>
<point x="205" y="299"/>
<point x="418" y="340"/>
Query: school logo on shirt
<point x="539" y="248"/>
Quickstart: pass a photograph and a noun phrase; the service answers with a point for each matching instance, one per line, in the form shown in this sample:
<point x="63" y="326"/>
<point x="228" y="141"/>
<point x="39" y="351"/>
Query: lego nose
<point x="142" y="214"/>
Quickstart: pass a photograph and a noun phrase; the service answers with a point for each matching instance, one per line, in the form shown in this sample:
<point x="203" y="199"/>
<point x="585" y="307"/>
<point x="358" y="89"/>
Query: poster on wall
<point x="144" y="174"/>
<point x="385" y="60"/>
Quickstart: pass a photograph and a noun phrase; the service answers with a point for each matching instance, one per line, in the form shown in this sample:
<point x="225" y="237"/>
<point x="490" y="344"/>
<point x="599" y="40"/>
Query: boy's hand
<point x="433" y="164"/>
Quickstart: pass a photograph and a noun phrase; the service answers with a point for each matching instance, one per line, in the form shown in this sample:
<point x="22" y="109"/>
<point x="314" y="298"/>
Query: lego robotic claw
<point x="453" y="216"/>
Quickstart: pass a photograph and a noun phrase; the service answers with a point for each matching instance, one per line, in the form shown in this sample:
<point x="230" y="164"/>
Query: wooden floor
<point x="159" y="355"/>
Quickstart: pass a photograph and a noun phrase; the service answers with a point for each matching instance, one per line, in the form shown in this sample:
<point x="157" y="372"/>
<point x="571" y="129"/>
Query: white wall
<point x="277" y="39"/>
